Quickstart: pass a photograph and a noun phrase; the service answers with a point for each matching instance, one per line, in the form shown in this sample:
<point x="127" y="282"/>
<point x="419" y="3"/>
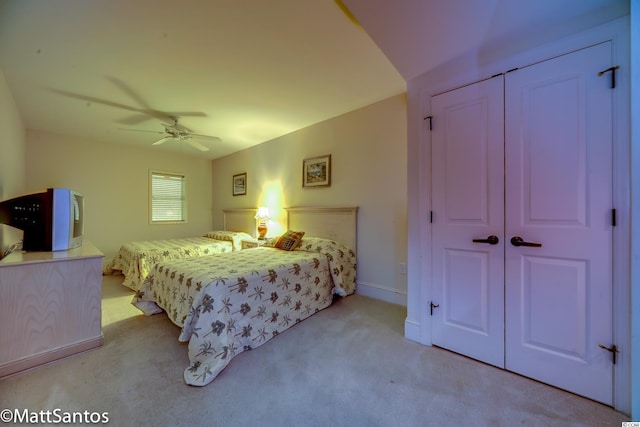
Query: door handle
<point x="492" y="240"/>
<point x="518" y="241"/>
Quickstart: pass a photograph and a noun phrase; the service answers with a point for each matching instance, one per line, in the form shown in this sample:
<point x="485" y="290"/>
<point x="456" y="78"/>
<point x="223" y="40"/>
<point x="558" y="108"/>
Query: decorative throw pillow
<point x="289" y="240"/>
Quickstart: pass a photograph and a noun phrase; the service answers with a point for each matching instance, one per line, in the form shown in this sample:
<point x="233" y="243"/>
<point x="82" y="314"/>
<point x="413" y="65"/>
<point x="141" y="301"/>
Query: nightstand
<point x="253" y="243"/>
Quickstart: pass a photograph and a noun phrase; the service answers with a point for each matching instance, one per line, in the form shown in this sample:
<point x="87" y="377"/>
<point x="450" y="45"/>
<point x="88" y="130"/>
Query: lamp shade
<point x="263" y="213"/>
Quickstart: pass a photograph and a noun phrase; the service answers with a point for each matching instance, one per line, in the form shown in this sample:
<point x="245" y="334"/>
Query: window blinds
<point x="167" y="197"/>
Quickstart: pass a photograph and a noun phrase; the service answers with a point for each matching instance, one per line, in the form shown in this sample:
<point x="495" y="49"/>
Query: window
<point x="168" y="198"/>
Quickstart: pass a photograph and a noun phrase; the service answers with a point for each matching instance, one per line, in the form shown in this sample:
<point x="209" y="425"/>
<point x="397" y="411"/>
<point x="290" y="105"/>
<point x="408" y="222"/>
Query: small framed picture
<point x="240" y="184"/>
<point x="316" y="171"/>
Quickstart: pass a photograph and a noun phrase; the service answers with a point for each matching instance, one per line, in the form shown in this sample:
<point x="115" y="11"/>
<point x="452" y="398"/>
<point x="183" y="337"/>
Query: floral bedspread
<point x="232" y="302"/>
<point x="136" y="259"/>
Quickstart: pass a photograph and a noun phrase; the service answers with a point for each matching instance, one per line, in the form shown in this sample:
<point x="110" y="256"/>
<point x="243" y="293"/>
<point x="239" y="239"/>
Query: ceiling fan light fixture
<point x="180" y="133"/>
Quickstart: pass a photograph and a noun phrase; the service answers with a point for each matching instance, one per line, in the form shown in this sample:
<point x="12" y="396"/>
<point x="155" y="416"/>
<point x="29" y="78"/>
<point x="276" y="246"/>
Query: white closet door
<point x="468" y="200"/>
<point x="543" y="310"/>
<point x="559" y="194"/>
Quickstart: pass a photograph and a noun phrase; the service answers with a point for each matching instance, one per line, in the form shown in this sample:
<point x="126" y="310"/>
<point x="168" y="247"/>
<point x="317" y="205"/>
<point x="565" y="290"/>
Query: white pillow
<point x="235" y="237"/>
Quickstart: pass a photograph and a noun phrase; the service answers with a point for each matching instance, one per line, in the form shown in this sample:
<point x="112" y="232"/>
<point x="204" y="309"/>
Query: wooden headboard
<point x="339" y="224"/>
<point x="335" y="223"/>
<point x="240" y="220"/>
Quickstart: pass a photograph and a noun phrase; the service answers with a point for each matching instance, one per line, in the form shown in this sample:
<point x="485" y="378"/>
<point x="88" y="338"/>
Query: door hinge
<point x="611" y="70"/>
<point x="430" y="118"/>
<point x="614" y="219"/>
<point x="432" y="306"/>
<point x="613" y="349"/>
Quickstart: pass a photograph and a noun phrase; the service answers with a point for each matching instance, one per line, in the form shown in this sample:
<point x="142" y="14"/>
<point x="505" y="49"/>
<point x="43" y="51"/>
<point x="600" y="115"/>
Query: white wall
<point x="12" y="158"/>
<point x="368" y="149"/>
<point x="114" y="180"/>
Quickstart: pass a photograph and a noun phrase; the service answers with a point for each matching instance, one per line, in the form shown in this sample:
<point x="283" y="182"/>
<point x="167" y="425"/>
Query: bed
<point x="228" y="303"/>
<point x="135" y="260"/>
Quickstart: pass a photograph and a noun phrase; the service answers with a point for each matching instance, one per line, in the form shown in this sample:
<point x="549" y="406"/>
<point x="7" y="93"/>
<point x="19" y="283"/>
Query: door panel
<point x="559" y="193"/>
<point x="466" y="278"/>
<point x="468" y="179"/>
<point x="553" y="150"/>
<point x="554" y="296"/>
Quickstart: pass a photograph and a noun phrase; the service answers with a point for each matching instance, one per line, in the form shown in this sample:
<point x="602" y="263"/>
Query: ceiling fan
<point x="179" y="133"/>
<point x="144" y="112"/>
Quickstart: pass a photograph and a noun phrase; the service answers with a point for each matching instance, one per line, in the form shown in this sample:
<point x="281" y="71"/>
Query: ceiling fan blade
<point x="162" y="140"/>
<point x="135" y="119"/>
<point x="94" y="100"/>
<point x="142" y="130"/>
<point x="197" y="145"/>
<point x="179" y="133"/>
<point x="144" y="112"/>
<point x="169" y="116"/>
<point x="145" y="107"/>
<point x="129" y="91"/>
<point x="187" y="114"/>
<point x="206" y="137"/>
<point x="160" y="115"/>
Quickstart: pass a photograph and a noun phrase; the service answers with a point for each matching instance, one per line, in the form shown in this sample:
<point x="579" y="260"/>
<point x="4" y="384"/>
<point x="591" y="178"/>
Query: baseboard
<point x="382" y="293"/>
<point x="45" y="357"/>
<point x="412" y="331"/>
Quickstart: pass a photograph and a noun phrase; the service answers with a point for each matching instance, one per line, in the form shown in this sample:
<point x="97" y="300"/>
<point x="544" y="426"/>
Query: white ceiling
<point x="254" y="69"/>
<point x="247" y="71"/>
<point x="422" y="35"/>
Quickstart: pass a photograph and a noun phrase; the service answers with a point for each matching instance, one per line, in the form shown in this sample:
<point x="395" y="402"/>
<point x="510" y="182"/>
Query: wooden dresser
<point x="50" y="306"/>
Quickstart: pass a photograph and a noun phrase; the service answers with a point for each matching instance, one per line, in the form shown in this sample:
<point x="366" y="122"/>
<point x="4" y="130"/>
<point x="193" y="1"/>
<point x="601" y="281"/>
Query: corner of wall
<point x="13" y="160"/>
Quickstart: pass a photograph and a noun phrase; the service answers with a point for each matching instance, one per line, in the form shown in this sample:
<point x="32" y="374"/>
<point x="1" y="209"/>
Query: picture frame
<point x="316" y="171"/>
<point x="239" y="184"/>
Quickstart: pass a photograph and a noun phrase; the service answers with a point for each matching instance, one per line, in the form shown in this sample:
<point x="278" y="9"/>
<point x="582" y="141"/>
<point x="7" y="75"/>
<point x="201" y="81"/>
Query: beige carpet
<point x="348" y="365"/>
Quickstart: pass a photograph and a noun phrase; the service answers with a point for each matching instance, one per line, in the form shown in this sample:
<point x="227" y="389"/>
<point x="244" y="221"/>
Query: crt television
<point x="52" y="220"/>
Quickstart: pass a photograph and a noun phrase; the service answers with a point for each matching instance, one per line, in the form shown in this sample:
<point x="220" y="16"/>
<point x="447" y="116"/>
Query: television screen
<point x="52" y="220"/>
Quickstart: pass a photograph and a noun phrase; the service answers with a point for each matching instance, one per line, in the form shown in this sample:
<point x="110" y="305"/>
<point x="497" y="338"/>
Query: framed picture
<point x="316" y="171"/>
<point x="240" y="184"/>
